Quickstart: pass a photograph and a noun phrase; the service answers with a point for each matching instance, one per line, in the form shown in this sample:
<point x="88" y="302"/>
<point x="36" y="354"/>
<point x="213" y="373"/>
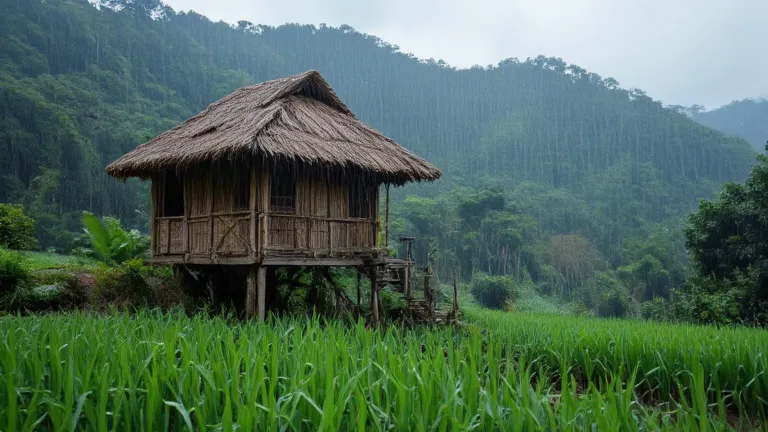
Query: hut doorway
<point x="172" y="198"/>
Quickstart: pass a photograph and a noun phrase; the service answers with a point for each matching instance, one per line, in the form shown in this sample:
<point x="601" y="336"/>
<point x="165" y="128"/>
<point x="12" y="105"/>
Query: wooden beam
<point x="407" y="280"/>
<point x="261" y="288"/>
<point x="210" y="211"/>
<point x="374" y="296"/>
<point x="153" y="222"/>
<point x="184" y="228"/>
<point x="250" y="295"/>
<point x="252" y="208"/>
<point x="386" y="223"/>
<point x="264" y="196"/>
<point x="310" y="262"/>
<point x="358" y="290"/>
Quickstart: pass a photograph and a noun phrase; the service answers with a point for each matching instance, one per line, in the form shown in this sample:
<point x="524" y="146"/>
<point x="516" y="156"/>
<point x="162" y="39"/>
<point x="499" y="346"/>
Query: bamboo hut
<point x="280" y="173"/>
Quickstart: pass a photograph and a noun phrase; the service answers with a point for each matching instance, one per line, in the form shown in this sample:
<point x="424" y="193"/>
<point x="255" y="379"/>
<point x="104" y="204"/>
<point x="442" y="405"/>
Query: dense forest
<point x="745" y="118"/>
<point x="554" y="175"/>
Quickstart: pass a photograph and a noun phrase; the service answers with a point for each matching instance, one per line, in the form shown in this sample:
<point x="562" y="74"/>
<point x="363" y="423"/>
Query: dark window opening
<point x="242" y="190"/>
<point x="231" y="189"/>
<point x="282" y="197"/>
<point x="361" y="201"/>
<point x="172" y="197"/>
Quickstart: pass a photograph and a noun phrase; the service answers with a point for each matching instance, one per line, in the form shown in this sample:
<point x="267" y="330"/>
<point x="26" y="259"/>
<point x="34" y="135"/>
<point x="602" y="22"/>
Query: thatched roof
<point x="298" y="118"/>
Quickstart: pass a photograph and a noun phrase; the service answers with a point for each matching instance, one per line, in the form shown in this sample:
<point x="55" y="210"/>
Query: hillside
<point x="747" y="119"/>
<point x="80" y="86"/>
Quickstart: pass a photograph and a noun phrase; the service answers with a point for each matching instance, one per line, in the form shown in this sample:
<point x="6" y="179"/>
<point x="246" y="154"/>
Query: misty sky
<point x="708" y="52"/>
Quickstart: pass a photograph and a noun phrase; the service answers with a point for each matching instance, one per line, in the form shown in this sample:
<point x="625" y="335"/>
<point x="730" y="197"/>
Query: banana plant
<point x="110" y="242"/>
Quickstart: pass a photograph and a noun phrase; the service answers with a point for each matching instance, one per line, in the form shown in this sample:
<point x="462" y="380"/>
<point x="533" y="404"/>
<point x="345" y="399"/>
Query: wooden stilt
<point x="407" y="281"/>
<point x="261" y="288"/>
<point x="358" y="290"/>
<point x="250" y="295"/>
<point x="386" y="223"/>
<point x="374" y="296"/>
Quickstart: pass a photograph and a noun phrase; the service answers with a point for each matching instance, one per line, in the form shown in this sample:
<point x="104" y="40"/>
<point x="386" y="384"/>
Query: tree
<point x="17" y="230"/>
<point x="728" y="241"/>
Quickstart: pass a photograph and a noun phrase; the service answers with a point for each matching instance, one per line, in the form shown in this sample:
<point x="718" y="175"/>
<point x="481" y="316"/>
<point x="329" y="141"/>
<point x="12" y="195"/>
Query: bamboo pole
<point x="358" y="289"/>
<point x="261" y="288"/>
<point x="250" y="295"/>
<point x="386" y="222"/>
<point x="374" y="296"/>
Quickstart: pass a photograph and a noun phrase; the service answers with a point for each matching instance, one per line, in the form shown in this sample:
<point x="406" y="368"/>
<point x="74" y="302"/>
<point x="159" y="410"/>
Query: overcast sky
<point x="708" y="52"/>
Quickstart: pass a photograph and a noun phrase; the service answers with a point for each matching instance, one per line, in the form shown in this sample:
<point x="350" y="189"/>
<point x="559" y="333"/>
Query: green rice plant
<point x="153" y="371"/>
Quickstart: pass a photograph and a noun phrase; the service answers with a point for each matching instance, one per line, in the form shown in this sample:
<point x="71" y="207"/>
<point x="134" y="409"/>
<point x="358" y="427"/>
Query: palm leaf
<point x="98" y="235"/>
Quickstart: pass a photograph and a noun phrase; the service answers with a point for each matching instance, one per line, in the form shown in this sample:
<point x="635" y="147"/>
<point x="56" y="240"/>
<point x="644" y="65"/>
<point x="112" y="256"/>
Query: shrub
<point x="706" y="301"/>
<point x="493" y="291"/>
<point x="17" y="230"/>
<point x="110" y="243"/>
<point x="393" y="305"/>
<point x="125" y="286"/>
<point x="12" y="270"/>
<point x="656" y="310"/>
<point x="614" y="303"/>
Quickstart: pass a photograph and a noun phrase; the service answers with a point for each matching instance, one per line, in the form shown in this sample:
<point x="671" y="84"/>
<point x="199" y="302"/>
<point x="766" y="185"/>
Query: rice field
<point x="503" y="371"/>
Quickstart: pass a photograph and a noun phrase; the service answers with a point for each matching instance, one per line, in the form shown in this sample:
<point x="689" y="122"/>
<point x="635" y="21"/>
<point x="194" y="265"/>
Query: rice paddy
<point x="501" y="371"/>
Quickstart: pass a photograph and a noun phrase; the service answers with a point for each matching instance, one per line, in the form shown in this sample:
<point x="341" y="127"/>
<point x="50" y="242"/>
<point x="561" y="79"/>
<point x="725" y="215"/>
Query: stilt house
<point x="275" y="174"/>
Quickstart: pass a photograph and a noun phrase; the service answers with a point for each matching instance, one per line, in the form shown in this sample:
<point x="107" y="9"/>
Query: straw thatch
<point x="298" y="118"/>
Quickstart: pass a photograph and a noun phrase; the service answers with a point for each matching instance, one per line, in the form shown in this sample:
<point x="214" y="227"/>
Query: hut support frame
<point x="256" y="292"/>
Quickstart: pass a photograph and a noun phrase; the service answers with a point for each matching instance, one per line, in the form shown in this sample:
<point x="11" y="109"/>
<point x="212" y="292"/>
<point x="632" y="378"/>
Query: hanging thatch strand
<point x="298" y="117"/>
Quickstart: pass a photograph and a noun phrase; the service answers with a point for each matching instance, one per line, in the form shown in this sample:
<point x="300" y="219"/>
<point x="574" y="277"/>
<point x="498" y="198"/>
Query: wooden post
<point x="386" y="222"/>
<point x="261" y="287"/>
<point x="250" y="295"/>
<point x="358" y="290"/>
<point x="407" y="281"/>
<point x="153" y="222"/>
<point x="184" y="224"/>
<point x="455" y="296"/>
<point x="264" y="197"/>
<point x="252" y="208"/>
<point x="210" y="212"/>
<point x="374" y="296"/>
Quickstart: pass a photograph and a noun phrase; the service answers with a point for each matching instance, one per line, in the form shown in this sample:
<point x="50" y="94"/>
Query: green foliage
<point x="493" y="291"/>
<point x="12" y="271"/>
<point x="17" y="230"/>
<point x="614" y="303"/>
<point x="393" y="305"/>
<point x="110" y="243"/>
<point x="706" y="301"/>
<point x="178" y="372"/>
<point x="128" y="286"/>
<point x="728" y="240"/>
<point x="657" y="309"/>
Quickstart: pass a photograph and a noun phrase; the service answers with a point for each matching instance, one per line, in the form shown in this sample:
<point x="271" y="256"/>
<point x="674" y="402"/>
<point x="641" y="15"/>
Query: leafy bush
<point x="614" y="303"/>
<point x="109" y="242"/>
<point x="17" y="230"/>
<point x="493" y="291"/>
<point x="707" y="301"/>
<point x="656" y="310"/>
<point x="125" y="286"/>
<point x="393" y="305"/>
<point x="12" y="270"/>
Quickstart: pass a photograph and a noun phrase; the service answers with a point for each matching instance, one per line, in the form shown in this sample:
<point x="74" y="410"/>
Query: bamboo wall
<point x="227" y="214"/>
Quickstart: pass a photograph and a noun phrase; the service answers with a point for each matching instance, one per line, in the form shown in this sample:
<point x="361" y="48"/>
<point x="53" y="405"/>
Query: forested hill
<point x="81" y="85"/>
<point x="746" y="118"/>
